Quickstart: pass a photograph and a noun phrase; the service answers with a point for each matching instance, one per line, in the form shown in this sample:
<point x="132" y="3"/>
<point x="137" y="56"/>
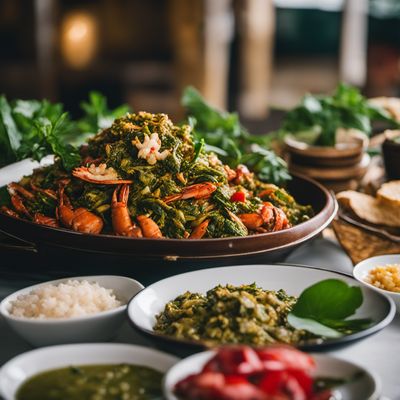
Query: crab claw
<point x="196" y="191"/>
<point x="99" y="174"/>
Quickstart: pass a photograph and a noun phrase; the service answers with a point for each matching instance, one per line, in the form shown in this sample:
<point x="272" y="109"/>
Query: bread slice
<point x="369" y="208"/>
<point x="389" y="194"/>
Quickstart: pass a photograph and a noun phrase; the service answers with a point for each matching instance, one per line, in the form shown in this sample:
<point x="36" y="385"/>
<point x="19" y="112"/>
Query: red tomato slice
<point x="290" y="357"/>
<point x="304" y="380"/>
<point x="241" y="391"/>
<point x="205" y="385"/>
<point x="281" y="383"/>
<point x="238" y="197"/>
<point x="235" y="361"/>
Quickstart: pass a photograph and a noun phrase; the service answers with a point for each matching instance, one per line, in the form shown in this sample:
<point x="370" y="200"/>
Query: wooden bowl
<point x="352" y="148"/>
<point x="338" y="173"/>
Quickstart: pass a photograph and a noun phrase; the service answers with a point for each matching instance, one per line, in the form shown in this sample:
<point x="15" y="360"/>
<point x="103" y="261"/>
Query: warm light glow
<point x="78" y="39"/>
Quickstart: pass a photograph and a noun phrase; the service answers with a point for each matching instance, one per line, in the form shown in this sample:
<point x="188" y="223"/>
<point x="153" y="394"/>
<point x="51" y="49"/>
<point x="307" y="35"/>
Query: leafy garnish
<point x="225" y="136"/>
<point x="34" y="129"/>
<point x="52" y="134"/>
<point x="322" y="383"/>
<point x="97" y="114"/>
<point x="324" y="307"/>
<point x="316" y="119"/>
<point x="31" y="128"/>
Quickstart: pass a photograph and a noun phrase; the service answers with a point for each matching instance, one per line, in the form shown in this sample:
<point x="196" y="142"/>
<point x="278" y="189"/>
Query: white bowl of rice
<point x="381" y="273"/>
<point x="70" y="310"/>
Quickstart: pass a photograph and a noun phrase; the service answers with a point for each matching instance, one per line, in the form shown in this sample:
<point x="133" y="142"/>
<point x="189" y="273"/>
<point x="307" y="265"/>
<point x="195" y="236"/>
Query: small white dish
<point x="366" y="387"/>
<point x="90" y="328"/>
<point x="362" y="269"/>
<point x="26" y="365"/>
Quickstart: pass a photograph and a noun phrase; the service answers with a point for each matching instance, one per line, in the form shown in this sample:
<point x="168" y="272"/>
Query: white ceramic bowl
<point x="92" y="328"/>
<point x="24" y="366"/>
<point x="144" y="307"/>
<point x="362" y="269"/>
<point x="367" y="387"/>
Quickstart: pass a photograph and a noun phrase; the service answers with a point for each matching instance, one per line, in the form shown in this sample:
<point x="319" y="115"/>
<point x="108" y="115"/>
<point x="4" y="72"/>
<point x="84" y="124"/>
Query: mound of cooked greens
<point x="248" y="314"/>
<point x="145" y="176"/>
<point x="243" y="314"/>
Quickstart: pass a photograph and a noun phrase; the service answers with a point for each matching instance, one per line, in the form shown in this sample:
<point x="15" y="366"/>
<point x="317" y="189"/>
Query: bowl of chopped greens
<point x="258" y="305"/>
<point x="147" y="187"/>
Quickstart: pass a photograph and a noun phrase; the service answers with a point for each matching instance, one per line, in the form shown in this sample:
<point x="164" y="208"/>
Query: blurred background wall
<point x="242" y="54"/>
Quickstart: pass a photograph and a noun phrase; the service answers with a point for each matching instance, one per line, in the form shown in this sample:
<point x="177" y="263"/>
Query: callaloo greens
<point x="243" y="314"/>
<point x="248" y="314"/>
<point x="145" y="176"/>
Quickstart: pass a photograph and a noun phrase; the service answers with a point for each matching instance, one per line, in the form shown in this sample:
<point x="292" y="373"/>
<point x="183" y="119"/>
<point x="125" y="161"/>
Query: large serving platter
<point x="147" y="304"/>
<point x="306" y="191"/>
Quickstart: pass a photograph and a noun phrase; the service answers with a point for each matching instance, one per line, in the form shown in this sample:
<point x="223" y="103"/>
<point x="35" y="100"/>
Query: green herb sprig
<point x="33" y="129"/>
<point x="316" y="119"/>
<point x="224" y="135"/>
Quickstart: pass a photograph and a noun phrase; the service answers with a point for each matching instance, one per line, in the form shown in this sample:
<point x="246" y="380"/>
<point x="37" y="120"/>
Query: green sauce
<point x="94" y="382"/>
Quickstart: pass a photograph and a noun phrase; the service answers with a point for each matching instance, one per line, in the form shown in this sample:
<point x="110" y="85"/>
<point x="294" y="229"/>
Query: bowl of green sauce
<point x="101" y="371"/>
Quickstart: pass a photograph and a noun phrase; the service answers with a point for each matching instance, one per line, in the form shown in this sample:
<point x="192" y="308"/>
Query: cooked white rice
<point x="64" y="300"/>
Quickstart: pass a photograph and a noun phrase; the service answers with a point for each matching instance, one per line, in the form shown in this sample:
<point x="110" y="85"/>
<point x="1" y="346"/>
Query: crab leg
<point x="100" y="174"/>
<point x="149" y="228"/>
<point x="7" y="211"/>
<point x="196" y="191"/>
<point x="16" y="191"/>
<point x="267" y="215"/>
<point x="80" y="220"/>
<point x="200" y="230"/>
<point x="45" y="220"/>
<point x="121" y="220"/>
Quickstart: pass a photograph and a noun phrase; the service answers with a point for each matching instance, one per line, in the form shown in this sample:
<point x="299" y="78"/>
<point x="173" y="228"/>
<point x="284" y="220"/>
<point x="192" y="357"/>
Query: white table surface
<point x="380" y="353"/>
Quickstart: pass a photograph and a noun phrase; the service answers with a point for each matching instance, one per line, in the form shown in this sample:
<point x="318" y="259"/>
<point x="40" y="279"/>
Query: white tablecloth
<point x="380" y="353"/>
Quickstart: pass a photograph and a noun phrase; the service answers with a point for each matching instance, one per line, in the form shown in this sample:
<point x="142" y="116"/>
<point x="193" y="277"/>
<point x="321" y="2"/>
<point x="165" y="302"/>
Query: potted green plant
<point x="326" y="135"/>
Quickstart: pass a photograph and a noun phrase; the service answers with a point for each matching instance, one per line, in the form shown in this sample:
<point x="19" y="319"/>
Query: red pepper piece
<point x="239" y="197"/>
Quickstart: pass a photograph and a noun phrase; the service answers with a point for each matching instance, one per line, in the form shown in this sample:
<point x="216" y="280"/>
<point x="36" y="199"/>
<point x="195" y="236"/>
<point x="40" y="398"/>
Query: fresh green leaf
<point x="14" y="135"/>
<point x="52" y="133"/>
<point x="328" y="299"/>
<point x="322" y="383"/>
<point x="266" y="165"/>
<point x="97" y="114"/>
<point x="329" y="303"/>
<point x="346" y="108"/>
<point x="225" y="136"/>
<point x="313" y="326"/>
<point x="208" y="118"/>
